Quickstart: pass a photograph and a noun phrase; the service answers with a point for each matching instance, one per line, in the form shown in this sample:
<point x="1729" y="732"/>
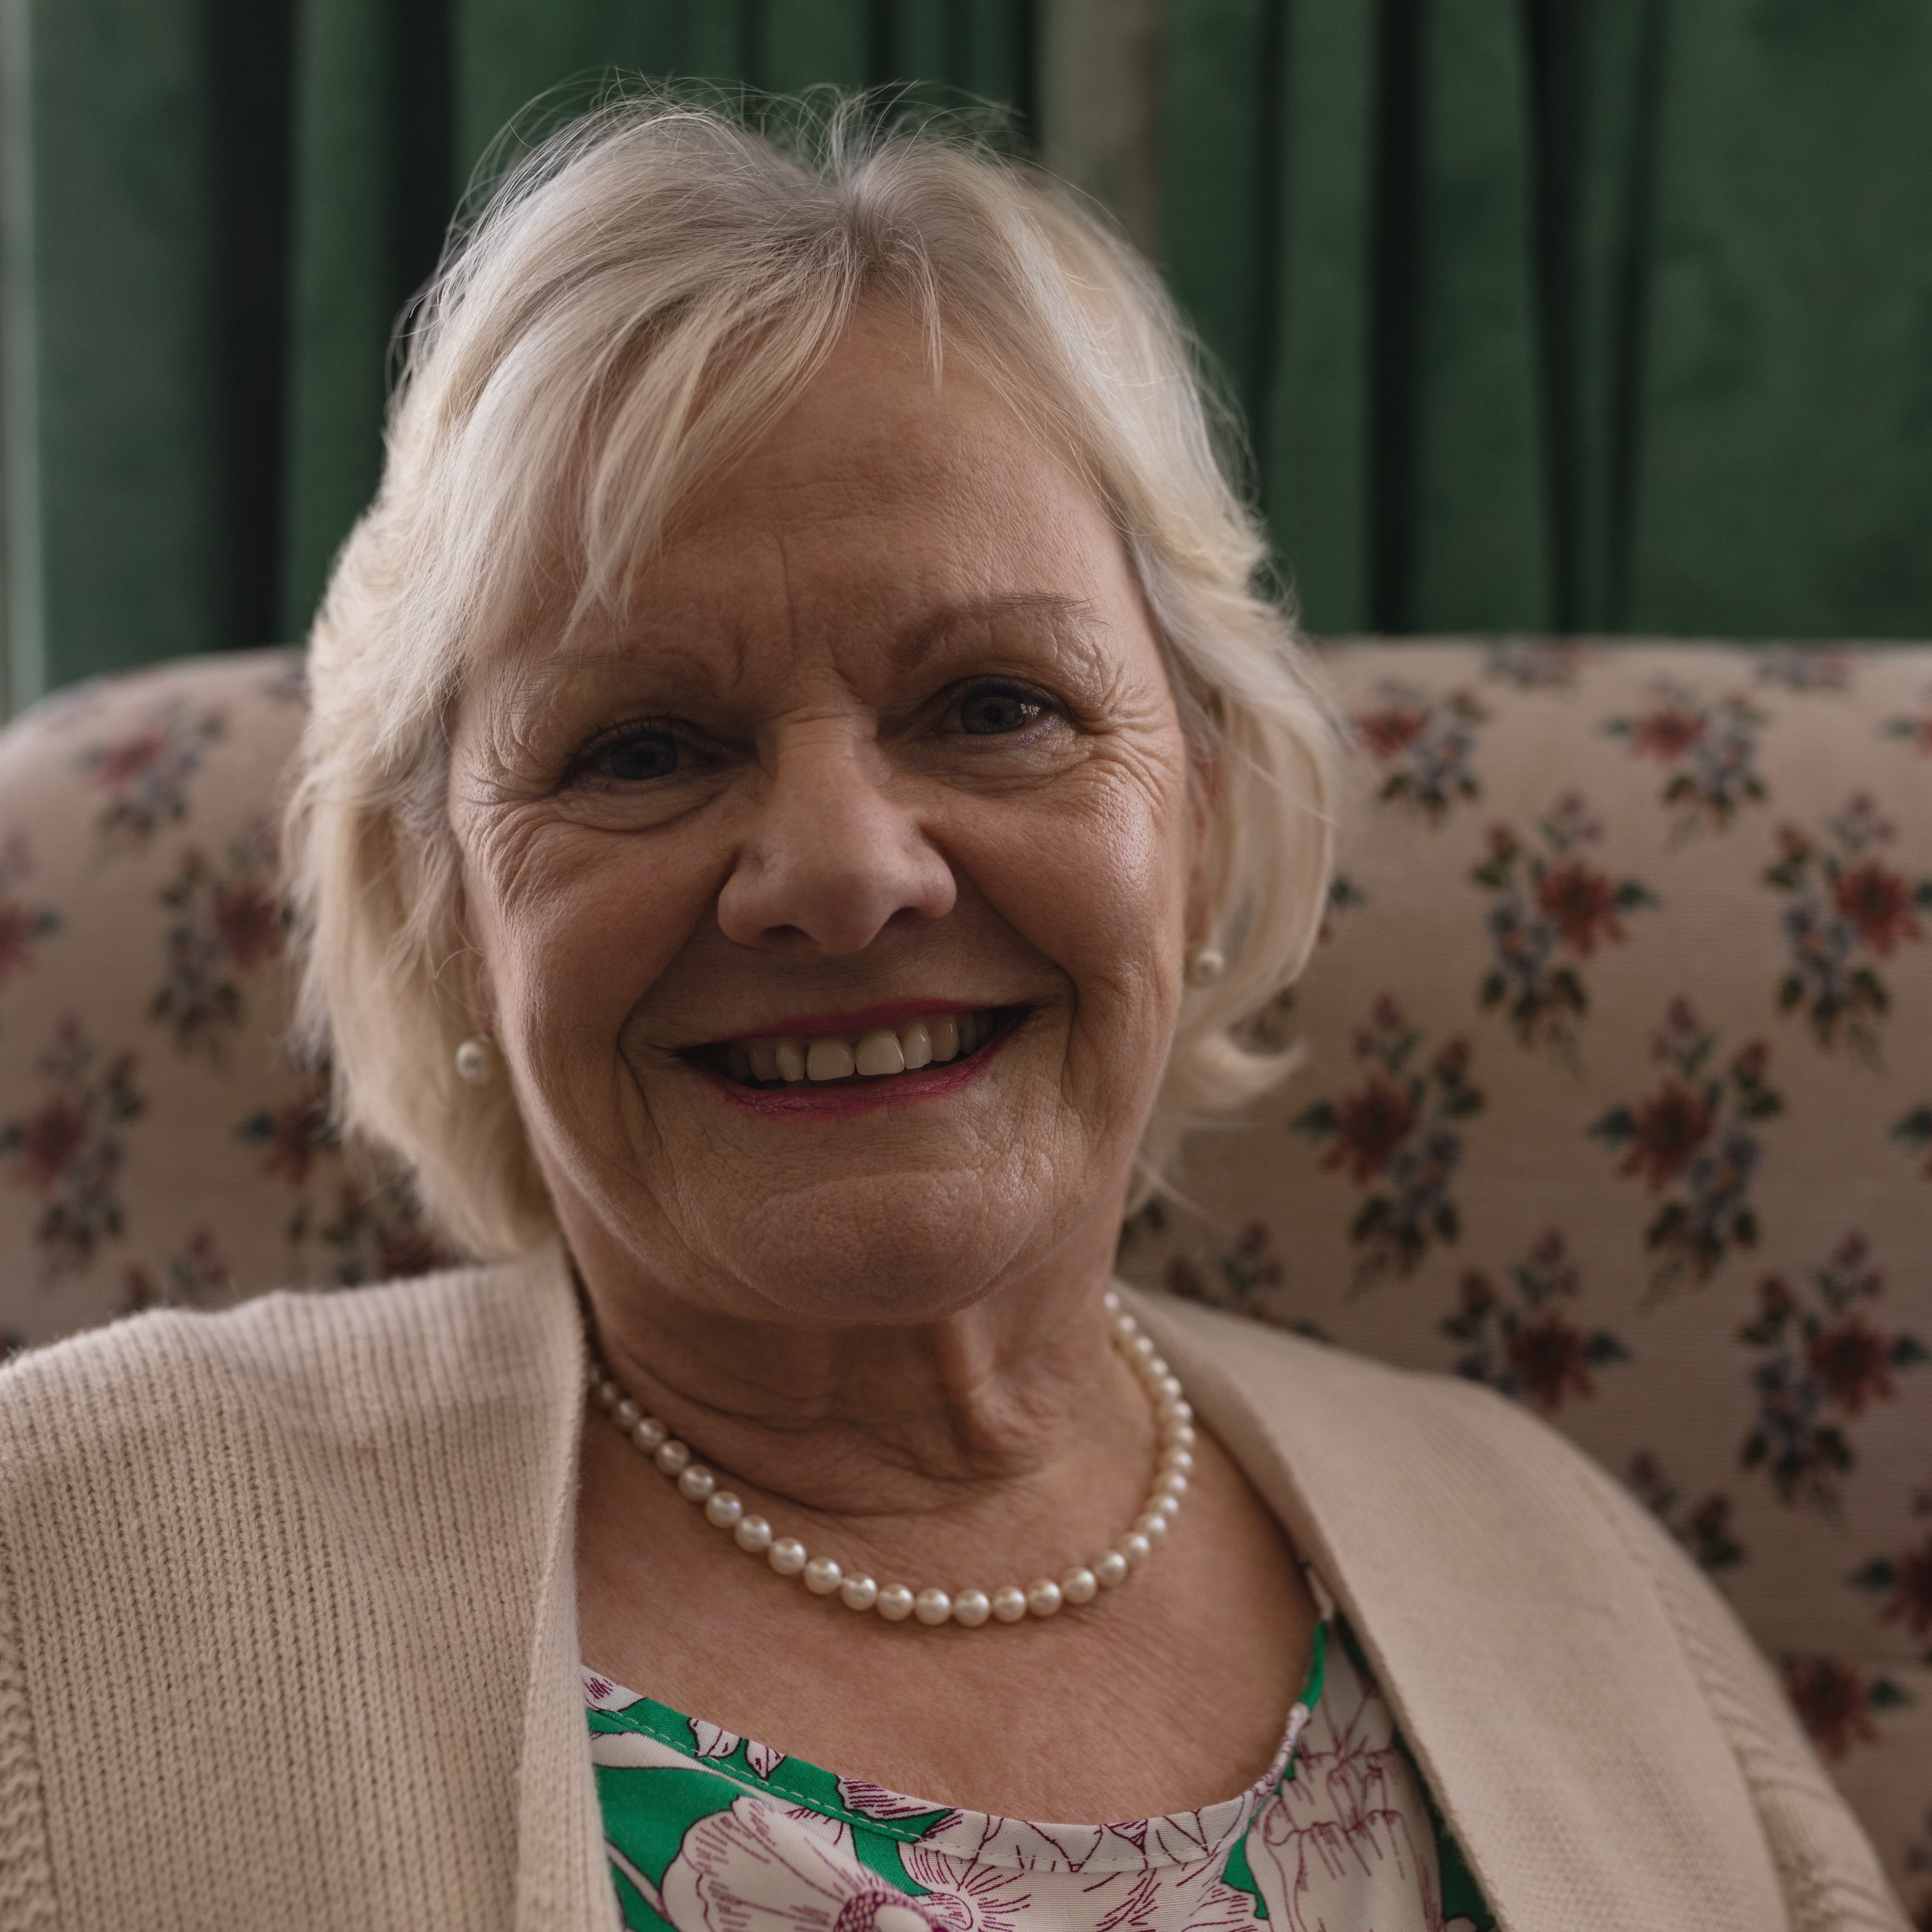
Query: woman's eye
<point x="636" y="757"/>
<point x="994" y="710"/>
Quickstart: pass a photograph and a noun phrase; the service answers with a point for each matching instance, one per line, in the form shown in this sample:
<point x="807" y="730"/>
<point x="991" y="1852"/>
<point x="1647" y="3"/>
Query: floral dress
<point x="709" y="1832"/>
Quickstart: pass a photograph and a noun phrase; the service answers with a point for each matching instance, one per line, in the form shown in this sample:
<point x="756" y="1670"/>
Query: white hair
<point x="641" y="295"/>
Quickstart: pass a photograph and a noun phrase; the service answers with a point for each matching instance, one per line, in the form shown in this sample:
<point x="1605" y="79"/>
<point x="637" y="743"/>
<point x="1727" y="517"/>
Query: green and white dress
<point x="709" y="1832"/>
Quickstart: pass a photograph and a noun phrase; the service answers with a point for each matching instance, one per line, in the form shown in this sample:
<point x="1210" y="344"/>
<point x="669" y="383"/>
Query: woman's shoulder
<point x="240" y="1552"/>
<point x="1372" y="1439"/>
<point x="172" y="1384"/>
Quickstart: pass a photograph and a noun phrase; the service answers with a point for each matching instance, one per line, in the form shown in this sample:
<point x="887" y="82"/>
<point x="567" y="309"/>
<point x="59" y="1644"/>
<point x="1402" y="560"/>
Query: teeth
<point x="879" y="1053"/>
<point x="828" y="1060"/>
<point x="876" y="1055"/>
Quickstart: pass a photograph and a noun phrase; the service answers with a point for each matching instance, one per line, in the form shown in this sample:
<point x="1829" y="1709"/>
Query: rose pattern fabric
<point x="1425" y="745"/>
<point x="25" y="925"/>
<point x="1694" y="1143"/>
<point x="1703" y="1527"/>
<point x="1549" y="910"/>
<point x="1821" y="1364"/>
<point x="158" y="1143"/>
<point x="1452" y="1211"/>
<point x="70" y="1149"/>
<point x="1847" y="910"/>
<point x="146" y="766"/>
<point x="1902" y="1583"/>
<point x="1709" y="749"/>
<point x="223" y="922"/>
<point x="1397" y="1137"/>
<point x="1517" y="1338"/>
<point x="1338" y="1833"/>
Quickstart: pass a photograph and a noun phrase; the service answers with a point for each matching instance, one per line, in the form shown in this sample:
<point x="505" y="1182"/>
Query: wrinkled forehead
<point x="892" y="507"/>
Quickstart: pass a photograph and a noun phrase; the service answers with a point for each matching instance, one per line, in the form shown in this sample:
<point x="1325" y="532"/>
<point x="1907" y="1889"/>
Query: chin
<point x="890" y="1252"/>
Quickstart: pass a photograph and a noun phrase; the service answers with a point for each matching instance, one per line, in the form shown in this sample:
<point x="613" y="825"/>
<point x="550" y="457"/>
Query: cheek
<point x="1099" y="887"/>
<point x="577" y="927"/>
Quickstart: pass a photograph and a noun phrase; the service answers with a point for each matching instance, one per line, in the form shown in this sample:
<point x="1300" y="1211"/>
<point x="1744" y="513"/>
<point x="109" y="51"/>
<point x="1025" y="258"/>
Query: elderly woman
<point x="802" y="790"/>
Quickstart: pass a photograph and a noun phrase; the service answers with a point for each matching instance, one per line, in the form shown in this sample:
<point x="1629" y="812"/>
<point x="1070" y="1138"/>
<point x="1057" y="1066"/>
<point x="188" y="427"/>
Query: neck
<point x="883" y="1428"/>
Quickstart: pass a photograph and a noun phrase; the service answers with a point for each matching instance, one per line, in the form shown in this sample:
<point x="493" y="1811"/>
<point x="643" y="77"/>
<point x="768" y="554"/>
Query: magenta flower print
<point x="759" y="1866"/>
<point x="601" y="1693"/>
<point x="712" y="1740"/>
<point x="996" y="1888"/>
<point x="740" y="1870"/>
<point x="1334" y="1848"/>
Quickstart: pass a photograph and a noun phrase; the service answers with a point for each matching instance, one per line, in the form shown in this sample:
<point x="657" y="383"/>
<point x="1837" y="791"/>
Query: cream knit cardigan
<point x="288" y="1639"/>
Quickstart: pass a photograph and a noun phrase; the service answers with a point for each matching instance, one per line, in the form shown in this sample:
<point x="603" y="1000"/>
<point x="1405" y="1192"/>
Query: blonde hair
<point x="640" y="295"/>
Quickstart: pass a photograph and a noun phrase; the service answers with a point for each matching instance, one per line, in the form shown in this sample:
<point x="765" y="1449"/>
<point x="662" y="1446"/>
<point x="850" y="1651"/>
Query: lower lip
<point x="835" y="1100"/>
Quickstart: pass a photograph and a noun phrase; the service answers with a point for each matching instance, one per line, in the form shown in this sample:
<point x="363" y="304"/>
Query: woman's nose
<point x="832" y="857"/>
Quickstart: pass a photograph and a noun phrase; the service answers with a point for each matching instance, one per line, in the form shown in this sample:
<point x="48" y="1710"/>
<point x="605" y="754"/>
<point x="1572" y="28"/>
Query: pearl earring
<point x="1203" y="963"/>
<point x="476" y="1060"/>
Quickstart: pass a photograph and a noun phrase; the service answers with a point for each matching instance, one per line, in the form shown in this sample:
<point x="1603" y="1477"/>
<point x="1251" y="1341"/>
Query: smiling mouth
<point x="879" y="1053"/>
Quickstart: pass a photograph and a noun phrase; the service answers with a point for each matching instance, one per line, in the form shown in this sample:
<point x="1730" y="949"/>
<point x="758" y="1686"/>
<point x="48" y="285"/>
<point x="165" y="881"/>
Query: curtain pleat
<point x="1592" y="315"/>
<point x="117" y="552"/>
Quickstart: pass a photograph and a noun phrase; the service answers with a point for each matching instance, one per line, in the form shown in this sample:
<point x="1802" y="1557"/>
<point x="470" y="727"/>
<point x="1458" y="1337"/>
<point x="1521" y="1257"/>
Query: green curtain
<point x="215" y="210"/>
<point x="1597" y="315"/>
<point x="1608" y="315"/>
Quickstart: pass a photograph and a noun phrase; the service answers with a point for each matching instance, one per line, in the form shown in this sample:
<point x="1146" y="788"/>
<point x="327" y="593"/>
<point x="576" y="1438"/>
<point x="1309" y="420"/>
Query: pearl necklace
<point x="1173" y="1425"/>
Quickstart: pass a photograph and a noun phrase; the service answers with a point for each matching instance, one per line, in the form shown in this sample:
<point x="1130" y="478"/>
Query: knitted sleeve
<point x="26" y="1870"/>
<point x="1830" y="1875"/>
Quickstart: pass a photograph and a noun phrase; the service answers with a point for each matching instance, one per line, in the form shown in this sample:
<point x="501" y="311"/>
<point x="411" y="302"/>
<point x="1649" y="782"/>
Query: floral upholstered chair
<point x="1617" y="1093"/>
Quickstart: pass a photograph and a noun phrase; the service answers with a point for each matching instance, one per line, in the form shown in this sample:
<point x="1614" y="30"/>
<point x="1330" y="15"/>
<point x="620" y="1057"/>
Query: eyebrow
<point x="932" y="630"/>
<point x="909" y="651"/>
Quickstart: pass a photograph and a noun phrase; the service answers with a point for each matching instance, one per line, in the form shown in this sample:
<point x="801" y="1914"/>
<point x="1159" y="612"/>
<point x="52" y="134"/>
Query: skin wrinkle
<point x="883" y="1327"/>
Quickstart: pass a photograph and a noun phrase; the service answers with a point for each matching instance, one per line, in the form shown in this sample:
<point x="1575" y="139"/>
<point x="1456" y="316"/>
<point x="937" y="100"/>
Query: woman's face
<point x="886" y="756"/>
